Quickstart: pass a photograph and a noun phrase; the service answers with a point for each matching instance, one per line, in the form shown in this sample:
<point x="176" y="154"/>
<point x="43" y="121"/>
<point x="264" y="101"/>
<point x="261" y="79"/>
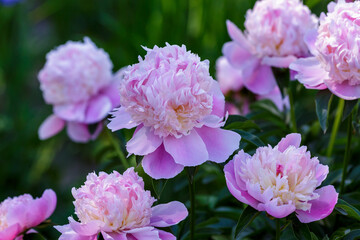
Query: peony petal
<point x="239" y="57"/>
<point x="121" y="119"/>
<point x="343" y="90"/>
<point x="71" y="112"/>
<point x="86" y="229"/>
<point x="160" y="164"/>
<point x="67" y="233"/>
<point x="309" y="72"/>
<point x="220" y="143"/>
<point x="10" y="232"/>
<point x="278" y="211"/>
<point x="78" y="132"/>
<point x="166" y="235"/>
<point x="218" y="100"/>
<point x="262" y="81"/>
<point x="229" y="78"/>
<point x="112" y="92"/>
<point x="279" y="62"/>
<point x="145" y="233"/>
<point x="97" y="109"/>
<point x="292" y="139"/>
<point x="114" y="236"/>
<point x="143" y="142"/>
<point x="42" y="208"/>
<point x="97" y="131"/>
<point x="189" y="150"/>
<point x="164" y="215"/>
<point x="276" y="97"/>
<point x="240" y="195"/>
<point x="236" y="34"/>
<point x="321" y="173"/>
<point x="310" y="39"/>
<point x="51" y="126"/>
<point x="321" y="207"/>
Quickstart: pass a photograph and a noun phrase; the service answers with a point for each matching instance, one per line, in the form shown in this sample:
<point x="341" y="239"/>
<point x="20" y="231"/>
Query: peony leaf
<point x="348" y="210"/>
<point x="323" y="101"/>
<point x="251" y="138"/>
<point x="301" y="230"/>
<point x="348" y="108"/>
<point x="239" y="122"/>
<point x="247" y="216"/>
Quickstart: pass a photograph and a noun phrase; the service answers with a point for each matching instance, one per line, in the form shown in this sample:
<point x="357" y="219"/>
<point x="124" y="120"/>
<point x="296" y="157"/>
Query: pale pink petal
<point x="67" y="233"/>
<point x="97" y="109"/>
<point x="143" y="142"/>
<point x="292" y="139"/>
<point x="114" y="236"/>
<point x="86" y="229"/>
<point x="236" y="34"/>
<point x="112" y="92"/>
<point x="71" y="112"/>
<point x="121" y="119"/>
<point x="276" y="97"/>
<point x="51" y="126"/>
<point x="97" y="131"/>
<point x="220" y="143"/>
<point x="262" y="80"/>
<point x="189" y="150"/>
<point x="238" y="159"/>
<point x="321" y="173"/>
<point x="160" y="164"/>
<point x="239" y="57"/>
<point x="78" y="132"/>
<point x="10" y="232"/>
<point x="166" y="235"/>
<point x="214" y="121"/>
<point x="229" y="78"/>
<point x="278" y="211"/>
<point x="310" y="72"/>
<point x="256" y="192"/>
<point x="343" y="90"/>
<point x="145" y="233"/>
<point x="310" y="39"/>
<point x="240" y="195"/>
<point x="218" y="100"/>
<point x="321" y="207"/>
<point x="279" y="62"/>
<point x="164" y="215"/>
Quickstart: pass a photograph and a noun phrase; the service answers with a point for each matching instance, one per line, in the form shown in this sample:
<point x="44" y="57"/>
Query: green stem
<point x="335" y="128"/>
<point x="278" y="229"/>
<point x="117" y="149"/>
<point x="191" y="176"/>
<point x="292" y="110"/>
<point x="347" y="153"/>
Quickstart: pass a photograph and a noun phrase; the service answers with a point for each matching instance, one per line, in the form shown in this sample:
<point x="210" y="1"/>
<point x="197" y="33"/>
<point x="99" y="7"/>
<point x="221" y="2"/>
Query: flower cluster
<point x="335" y="46"/>
<point x="282" y="180"/>
<point x="178" y="109"/>
<point x="78" y="82"/>
<point x="118" y="207"/>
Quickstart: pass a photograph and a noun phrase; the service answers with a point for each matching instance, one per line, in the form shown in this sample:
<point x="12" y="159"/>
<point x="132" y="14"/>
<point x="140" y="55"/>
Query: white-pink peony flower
<point x="178" y="109"/>
<point x="336" y="49"/>
<point x="20" y="214"/>
<point x="77" y="80"/>
<point x="282" y="180"/>
<point x="273" y="38"/>
<point x="118" y="207"/>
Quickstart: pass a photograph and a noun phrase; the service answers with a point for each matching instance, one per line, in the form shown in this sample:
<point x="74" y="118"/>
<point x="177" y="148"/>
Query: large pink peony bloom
<point x="19" y="214"/>
<point x="78" y="82"/>
<point x="118" y="207"/>
<point x="282" y="180"/>
<point x="230" y="79"/>
<point x="273" y="38"/>
<point x="178" y="109"/>
<point x="335" y="46"/>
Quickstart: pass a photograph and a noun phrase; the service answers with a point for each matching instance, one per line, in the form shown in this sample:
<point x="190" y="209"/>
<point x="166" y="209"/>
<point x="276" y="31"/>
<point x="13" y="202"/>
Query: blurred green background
<point x="30" y="29"/>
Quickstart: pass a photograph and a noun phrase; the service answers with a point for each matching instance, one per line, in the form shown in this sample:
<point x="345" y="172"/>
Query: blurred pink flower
<point x="273" y="38"/>
<point x="282" y="180"/>
<point x="178" y="109"/>
<point x="118" y="207"/>
<point x="335" y="46"/>
<point x="78" y="82"/>
<point x="230" y="79"/>
<point x="20" y="214"/>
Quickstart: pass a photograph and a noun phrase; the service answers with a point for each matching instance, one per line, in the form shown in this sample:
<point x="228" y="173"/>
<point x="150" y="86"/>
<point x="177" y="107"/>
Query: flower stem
<point x="117" y="149"/>
<point x="191" y="176"/>
<point x="292" y="110"/>
<point x="347" y="153"/>
<point x="278" y="229"/>
<point x="335" y="128"/>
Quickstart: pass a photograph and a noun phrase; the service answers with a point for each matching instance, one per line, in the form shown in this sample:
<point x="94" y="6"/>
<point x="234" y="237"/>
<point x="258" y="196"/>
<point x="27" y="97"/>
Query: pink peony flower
<point x="178" y="109"/>
<point x="118" y="207"/>
<point x="78" y="82"/>
<point x="20" y="214"/>
<point x="335" y="46"/>
<point x="282" y="180"/>
<point x="230" y="79"/>
<point x="273" y="38"/>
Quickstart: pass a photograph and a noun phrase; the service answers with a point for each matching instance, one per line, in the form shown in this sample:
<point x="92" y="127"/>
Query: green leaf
<point x="348" y="210"/>
<point x="33" y="236"/>
<point x="349" y="106"/>
<point x="239" y="122"/>
<point x="323" y="101"/>
<point x="251" y="138"/>
<point x="346" y="234"/>
<point x="247" y="216"/>
<point x="301" y="230"/>
<point x="158" y="186"/>
<point x="313" y="236"/>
